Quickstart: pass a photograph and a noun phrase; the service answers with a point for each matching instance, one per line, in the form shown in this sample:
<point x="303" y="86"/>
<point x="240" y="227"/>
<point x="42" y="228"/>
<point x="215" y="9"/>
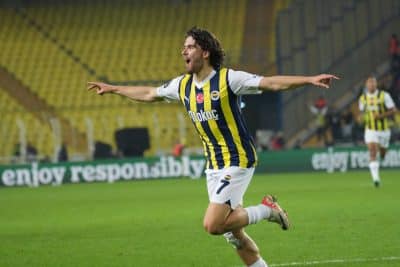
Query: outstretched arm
<point x="138" y="93"/>
<point x="277" y="83"/>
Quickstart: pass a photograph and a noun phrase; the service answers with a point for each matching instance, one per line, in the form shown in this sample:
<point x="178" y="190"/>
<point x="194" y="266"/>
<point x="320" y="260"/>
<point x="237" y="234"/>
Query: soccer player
<point x="376" y="106"/>
<point x="210" y="94"/>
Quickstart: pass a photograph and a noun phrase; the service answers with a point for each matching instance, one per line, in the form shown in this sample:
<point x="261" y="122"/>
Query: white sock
<point x="257" y="213"/>
<point x="259" y="263"/>
<point x="374" y="169"/>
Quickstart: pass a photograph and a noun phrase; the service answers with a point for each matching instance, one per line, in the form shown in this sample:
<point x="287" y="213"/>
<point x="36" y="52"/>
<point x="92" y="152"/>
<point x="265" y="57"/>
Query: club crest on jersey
<point x="227" y="177"/>
<point x="214" y="95"/>
<point x="200" y="98"/>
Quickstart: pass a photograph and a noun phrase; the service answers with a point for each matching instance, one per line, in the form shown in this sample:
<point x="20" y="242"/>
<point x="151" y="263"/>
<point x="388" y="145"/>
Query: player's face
<point x="371" y="85"/>
<point x="193" y="55"/>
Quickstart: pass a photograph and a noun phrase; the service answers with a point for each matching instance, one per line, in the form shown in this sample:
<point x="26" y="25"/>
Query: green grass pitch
<point x="159" y="223"/>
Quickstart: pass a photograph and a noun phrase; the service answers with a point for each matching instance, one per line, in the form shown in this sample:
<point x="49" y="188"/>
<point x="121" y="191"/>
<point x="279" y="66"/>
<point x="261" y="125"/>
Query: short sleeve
<point x="170" y="90"/>
<point x="389" y="103"/>
<point x="244" y="83"/>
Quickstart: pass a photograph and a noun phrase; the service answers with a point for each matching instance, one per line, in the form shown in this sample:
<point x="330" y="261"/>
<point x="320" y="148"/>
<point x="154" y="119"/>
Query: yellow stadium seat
<point x="130" y="45"/>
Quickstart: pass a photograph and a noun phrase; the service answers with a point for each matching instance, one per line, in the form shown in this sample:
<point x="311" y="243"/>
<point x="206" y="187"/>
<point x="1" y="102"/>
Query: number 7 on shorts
<point x="225" y="183"/>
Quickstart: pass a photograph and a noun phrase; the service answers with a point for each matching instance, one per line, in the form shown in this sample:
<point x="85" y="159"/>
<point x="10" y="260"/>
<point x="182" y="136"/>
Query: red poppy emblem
<point x="199" y="98"/>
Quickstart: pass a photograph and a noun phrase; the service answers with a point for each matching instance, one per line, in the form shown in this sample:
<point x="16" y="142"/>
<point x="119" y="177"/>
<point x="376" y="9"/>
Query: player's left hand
<point x="323" y="80"/>
<point x="101" y="88"/>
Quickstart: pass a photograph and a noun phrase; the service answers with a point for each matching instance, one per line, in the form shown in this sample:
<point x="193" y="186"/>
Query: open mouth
<point x="187" y="61"/>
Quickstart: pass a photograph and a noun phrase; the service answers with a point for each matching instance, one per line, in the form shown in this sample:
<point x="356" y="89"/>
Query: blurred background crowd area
<point x="50" y="49"/>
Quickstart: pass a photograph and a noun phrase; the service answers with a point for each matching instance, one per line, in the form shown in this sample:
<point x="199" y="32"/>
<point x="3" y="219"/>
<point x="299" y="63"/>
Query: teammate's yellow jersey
<point x="374" y="104"/>
<point x="215" y="112"/>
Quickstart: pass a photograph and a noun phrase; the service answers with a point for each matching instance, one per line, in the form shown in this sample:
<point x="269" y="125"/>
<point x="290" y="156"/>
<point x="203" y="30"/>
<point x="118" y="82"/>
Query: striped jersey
<point x="213" y="106"/>
<point x="375" y="103"/>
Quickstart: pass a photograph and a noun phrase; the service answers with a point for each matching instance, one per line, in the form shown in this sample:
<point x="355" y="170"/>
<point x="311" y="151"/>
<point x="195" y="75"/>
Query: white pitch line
<point x="339" y="261"/>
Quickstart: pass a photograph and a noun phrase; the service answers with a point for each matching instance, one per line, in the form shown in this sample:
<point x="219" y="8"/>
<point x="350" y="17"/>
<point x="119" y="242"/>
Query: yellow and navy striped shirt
<point x="375" y="103"/>
<point x="215" y="112"/>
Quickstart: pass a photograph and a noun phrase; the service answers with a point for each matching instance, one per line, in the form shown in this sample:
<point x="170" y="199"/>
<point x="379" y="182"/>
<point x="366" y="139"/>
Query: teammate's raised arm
<point x="137" y="93"/>
<point x="277" y="83"/>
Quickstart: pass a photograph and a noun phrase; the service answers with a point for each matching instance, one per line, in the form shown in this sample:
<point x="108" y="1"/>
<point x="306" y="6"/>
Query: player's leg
<point x="224" y="213"/>
<point x="371" y="138"/>
<point x="382" y="152"/>
<point x="373" y="151"/>
<point x="384" y="139"/>
<point x="374" y="163"/>
<point x="219" y="218"/>
<point x="215" y="217"/>
<point x="245" y="247"/>
<point x="226" y="188"/>
<point x="382" y="146"/>
<point x="217" y="211"/>
<point x="214" y="223"/>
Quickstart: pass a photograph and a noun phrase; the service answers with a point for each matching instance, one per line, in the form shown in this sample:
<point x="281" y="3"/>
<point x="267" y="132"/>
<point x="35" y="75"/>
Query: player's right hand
<point x="101" y="88"/>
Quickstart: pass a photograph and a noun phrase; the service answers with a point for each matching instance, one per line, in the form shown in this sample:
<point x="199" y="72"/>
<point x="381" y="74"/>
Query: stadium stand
<point x="130" y="45"/>
<point x="341" y="37"/>
<point x="55" y="47"/>
<point x="357" y="130"/>
<point x="259" y="37"/>
<point x="14" y="116"/>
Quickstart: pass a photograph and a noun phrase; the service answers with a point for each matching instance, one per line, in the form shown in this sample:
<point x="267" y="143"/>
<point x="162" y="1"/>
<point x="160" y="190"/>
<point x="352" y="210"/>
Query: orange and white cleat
<point x="278" y="215"/>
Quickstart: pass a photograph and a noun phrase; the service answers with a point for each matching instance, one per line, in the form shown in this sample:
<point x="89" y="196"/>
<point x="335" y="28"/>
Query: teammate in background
<point x="211" y="94"/>
<point x="376" y="106"/>
<point x="320" y="109"/>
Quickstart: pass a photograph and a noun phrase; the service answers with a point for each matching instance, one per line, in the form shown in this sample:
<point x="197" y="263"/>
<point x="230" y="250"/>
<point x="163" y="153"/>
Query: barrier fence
<point x="307" y="160"/>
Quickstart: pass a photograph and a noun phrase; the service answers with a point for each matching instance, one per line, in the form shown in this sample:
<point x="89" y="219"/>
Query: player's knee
<point x="213" y="229"/>
<point x="372" y="153"/>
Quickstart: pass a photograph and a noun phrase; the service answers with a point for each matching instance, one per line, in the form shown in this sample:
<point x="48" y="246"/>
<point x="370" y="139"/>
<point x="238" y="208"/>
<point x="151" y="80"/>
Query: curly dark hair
<point x="208" y="42"/>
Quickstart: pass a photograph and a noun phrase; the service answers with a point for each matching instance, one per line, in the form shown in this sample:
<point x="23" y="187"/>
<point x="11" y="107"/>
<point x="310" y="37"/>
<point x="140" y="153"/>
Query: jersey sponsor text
<point x="203" y="115"/>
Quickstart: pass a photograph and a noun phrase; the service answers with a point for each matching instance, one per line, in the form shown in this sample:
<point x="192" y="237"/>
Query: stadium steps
<point x="63" y="49"/>
<point x="254" y="56"/>
<point x="359" y="28"/>
<point x="258" y="48"/>
<point x="14" y="117"/>
<point x="257" y="29"/>
<point x="134" y="54"/>
<point x="55" y="48"/>
<point x="277" y="6"/>
<point x="37" y="107"/>
<point x="307" y="136"/>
